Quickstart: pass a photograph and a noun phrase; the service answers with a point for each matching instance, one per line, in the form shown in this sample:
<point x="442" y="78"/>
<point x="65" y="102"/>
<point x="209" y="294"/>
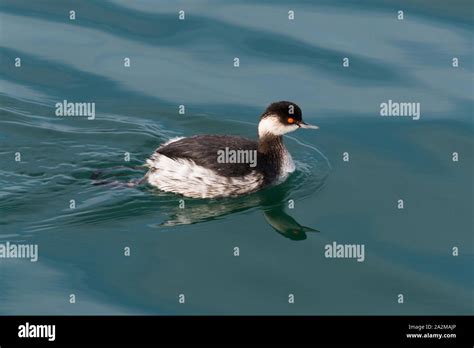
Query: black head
<point x="285" y="110"/>
<point x="280" y="118"/>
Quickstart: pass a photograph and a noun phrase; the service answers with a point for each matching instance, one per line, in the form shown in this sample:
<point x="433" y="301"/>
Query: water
<point x="190" y="251"/>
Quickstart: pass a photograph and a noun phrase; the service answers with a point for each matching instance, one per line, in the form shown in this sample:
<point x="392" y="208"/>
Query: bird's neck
<point x="270" y="144"/>
<point x="270" y="149"/>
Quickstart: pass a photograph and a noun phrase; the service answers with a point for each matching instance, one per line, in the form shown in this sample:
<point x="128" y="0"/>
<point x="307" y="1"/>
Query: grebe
<point x="201" y="167"/>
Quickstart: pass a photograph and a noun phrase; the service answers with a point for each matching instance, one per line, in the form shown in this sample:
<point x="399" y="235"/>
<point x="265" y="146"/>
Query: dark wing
<point x="204" y="151"/>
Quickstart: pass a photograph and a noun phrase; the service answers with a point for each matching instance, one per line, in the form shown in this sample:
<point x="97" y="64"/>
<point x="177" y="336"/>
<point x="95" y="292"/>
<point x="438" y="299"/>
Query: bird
<point x="217" y="166"/>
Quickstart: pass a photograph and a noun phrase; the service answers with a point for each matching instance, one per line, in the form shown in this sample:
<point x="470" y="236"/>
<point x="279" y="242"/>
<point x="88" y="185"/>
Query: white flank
<point x="185" y="177"/>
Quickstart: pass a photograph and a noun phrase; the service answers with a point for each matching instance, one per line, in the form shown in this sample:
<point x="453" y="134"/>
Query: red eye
<point x="290" y="120"/>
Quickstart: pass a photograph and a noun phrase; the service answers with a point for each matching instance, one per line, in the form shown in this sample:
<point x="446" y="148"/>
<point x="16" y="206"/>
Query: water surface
<point x="190" y="251"/>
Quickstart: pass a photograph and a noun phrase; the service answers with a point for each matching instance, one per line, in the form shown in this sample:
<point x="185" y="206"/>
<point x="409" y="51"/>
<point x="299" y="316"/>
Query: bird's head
<point x="281" y="118"/>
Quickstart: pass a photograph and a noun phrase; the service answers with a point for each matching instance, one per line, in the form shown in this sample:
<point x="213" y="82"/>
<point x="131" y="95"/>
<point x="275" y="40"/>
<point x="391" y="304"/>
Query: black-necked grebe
<point x="211" y="166"/>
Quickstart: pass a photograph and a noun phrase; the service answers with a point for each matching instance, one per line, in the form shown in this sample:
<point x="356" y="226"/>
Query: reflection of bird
<point x="272" y="203"/>
<point x="286" y="225"/>
<point x="274" y="215"/>
<point x="193" y="166"/>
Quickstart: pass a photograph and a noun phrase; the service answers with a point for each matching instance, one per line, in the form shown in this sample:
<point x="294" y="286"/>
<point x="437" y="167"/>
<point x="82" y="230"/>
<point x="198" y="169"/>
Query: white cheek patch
<point x="272" y="125"/>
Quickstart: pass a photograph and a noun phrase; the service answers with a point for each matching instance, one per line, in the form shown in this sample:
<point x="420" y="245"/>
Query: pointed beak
<point x="307" y="126"/>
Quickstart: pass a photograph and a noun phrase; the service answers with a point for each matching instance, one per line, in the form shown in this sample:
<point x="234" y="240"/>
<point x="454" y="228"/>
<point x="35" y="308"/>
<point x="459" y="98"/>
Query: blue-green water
<point x="190" y="251"/>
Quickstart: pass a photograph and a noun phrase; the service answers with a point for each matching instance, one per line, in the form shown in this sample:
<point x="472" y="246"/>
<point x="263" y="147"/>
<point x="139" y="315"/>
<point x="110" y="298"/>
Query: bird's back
<point x="192" y="167"/>
<point x="206" y="150"/>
